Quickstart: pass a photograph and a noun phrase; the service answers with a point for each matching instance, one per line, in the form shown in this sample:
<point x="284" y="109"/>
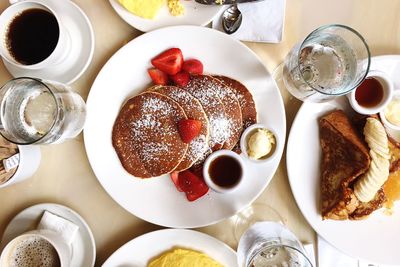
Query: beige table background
<point x="65" y="176"/>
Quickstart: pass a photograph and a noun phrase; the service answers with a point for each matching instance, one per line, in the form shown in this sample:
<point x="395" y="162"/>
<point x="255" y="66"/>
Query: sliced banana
<point x="378" y="172"/>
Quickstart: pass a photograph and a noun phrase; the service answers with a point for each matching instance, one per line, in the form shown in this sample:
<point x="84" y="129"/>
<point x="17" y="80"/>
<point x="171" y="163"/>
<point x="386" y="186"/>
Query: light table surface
<point x="65" y="176"/>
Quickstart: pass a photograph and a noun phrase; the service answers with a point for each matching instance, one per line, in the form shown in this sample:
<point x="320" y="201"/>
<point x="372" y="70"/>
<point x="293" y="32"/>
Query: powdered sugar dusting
<point x="221" y="129"/>
<point x="154" y="151"/>
<point x="147" y="138"/>
<point x="197" y="148"/>
<point x="193" y="110"/>
<point x="206" y="93"/>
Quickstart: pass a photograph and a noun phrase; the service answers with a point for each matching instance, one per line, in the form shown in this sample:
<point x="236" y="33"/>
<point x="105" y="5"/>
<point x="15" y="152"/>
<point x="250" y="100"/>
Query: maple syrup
<point x="369" y="93"/>
<point x="392" y="189"/>
<point x="225" y="171"/>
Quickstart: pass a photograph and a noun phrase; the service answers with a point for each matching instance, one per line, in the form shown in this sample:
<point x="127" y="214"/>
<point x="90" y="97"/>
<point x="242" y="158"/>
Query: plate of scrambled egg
<point x="173" y="247"/>
<point x="147" y="15"/>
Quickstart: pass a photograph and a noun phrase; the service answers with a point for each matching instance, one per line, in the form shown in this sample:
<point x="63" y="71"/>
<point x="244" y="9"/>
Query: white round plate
<point x="374" y="239"/>
<point x="195" y="14"/>
<point x="142" y="249"/>
<point x="82" y="46"/>
<point x="125" y="75"/>
<point x="83" y="246"/>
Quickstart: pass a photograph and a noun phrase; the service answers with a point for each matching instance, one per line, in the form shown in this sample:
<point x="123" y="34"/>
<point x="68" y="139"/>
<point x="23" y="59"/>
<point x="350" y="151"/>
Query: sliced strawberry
<point x="189" y="129"/>
<point x="158" y="76"/>
<point x="193" y="186"/>
<point x="169" y="61"/>
<point x="193" y="66"/>
<point x="182" y="78"/>
<point x="175" y="179"/>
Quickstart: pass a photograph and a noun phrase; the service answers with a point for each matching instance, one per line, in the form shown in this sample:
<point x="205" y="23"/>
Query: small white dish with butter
<point x="259" y="143"/>
<point x="390" y="116"/>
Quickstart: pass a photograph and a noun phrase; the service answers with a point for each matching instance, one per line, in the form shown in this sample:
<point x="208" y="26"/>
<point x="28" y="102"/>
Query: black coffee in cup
<point x="32" y="36"/>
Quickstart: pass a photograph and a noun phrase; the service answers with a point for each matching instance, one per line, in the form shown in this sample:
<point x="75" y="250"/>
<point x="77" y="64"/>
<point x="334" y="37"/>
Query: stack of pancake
<point x="146" y="136"/>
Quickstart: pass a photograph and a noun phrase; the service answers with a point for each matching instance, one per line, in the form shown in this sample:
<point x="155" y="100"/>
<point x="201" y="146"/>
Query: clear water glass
<point x="271" y="244"/>
<point x="35" y="111"/>
<point x="331" y="61"/>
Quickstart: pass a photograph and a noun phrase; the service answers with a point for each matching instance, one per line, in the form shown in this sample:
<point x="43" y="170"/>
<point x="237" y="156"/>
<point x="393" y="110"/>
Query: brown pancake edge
<point x="193" y="110"/>
<point x="246" y="103"/>
<point x="200" y="87"/>
<point x="232" y="110"/>
<point x="145" y="135"/>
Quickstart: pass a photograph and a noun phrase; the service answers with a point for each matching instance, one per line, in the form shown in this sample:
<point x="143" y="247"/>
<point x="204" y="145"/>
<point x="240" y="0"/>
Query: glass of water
<point x="35" y="111"/>
<point x="270" y="244"/>
<point x="332" y="60"/>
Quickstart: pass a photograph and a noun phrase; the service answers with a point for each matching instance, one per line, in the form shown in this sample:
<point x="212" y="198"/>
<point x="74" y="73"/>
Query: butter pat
<point x="260" y="143"/>
<point x="147" y="9"/>
<point x="368" y="184"/>
<point x="392" y="112"/>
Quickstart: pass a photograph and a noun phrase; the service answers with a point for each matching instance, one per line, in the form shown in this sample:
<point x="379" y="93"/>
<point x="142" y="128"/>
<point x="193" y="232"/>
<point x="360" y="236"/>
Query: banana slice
<point x="378" y="172"/>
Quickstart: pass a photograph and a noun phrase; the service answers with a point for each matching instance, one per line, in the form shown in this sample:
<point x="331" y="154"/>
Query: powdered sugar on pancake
<point x="232" y="110"/>
<point x="212" y="105"/>
<point x="146" y="137"/>
<point x="193" y="110"/>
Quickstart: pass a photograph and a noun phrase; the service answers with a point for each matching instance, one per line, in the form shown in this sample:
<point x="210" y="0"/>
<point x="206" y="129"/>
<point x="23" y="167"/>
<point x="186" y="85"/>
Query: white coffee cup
<point x="29" y="160"/>
<point x="62" y="249"/>
<point x="63" y="45"/>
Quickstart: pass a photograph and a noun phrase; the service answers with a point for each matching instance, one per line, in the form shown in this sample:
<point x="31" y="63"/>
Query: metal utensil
<point x="231" y="19"/>
<point x="224" y="2"/>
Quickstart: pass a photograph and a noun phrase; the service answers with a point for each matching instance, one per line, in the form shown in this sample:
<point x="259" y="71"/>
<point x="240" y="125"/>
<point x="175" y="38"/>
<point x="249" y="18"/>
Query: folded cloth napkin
<point x="262" y="21"/>
<point x="328" y="256"/>
<point x="65" y="228"/>
<point x="310" y="251"/>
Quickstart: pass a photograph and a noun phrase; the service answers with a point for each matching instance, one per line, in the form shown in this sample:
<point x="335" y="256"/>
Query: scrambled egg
<point x="175" y="7"/>
<point x="183" y="258"/>
<point x="147" y="9"/>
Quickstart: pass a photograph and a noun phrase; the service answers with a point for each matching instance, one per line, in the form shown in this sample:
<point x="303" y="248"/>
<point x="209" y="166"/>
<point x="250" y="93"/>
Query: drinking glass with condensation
<point x="332" y="61"/>
<point x="271" y="244"/>
<point x="35" y="111"/>
<point x="33" y="36"/>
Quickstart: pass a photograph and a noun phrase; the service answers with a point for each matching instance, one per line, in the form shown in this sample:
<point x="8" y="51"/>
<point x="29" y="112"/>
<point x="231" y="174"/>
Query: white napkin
<point x="262" y="21"/>
<point x="65" y="228"/>
<point x="310" y="251"/>
<point x="328" y="256"/>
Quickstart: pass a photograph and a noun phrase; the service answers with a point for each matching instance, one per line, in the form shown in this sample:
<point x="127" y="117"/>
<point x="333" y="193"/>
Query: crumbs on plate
<point x="176" y="8"/>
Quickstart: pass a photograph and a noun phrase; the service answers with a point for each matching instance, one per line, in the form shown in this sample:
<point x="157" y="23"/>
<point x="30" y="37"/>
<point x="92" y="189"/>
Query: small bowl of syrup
<point x="373" y="94"/>
<point x="223" y="171"/>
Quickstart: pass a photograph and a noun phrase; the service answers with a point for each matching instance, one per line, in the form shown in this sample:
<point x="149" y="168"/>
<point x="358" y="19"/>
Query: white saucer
<point x="82" y="46"/>
<point x="83" y="246"/>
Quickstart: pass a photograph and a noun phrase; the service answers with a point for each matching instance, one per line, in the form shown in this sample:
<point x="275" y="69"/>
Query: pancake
<point x="245" y="98"/>
<point x="246" y="102"/>
<point x="145" y="135"/>
<point x="193" y="110"/>
<point x="232" y="109"/>
<point x="219" y="123"/>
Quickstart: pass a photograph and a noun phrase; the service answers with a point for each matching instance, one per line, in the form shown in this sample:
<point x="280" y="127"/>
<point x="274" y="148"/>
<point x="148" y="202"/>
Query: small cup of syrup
<point x="223" y="171"/>
<point x="373" y="94"/>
